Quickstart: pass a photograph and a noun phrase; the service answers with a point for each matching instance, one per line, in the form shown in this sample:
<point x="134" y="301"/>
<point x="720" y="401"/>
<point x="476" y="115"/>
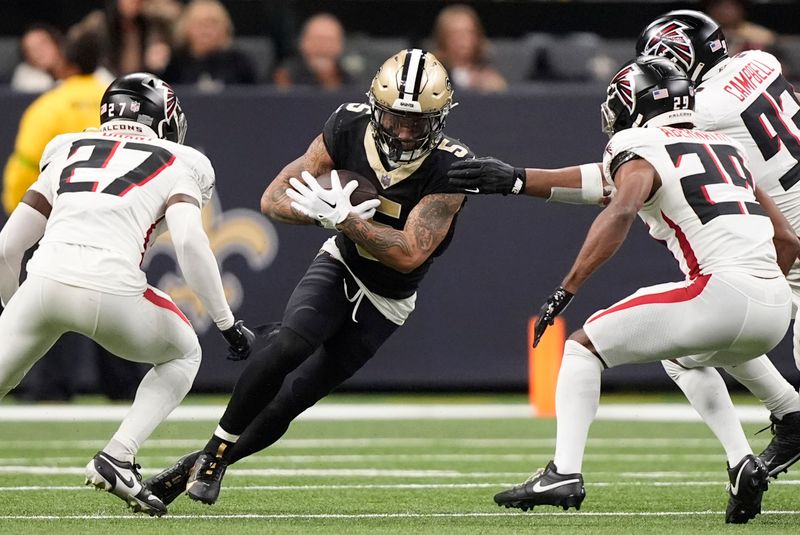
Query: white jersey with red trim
<point x="109" y="190"/>
<point x="705" y="210"/>
<point x="747" y="98"/>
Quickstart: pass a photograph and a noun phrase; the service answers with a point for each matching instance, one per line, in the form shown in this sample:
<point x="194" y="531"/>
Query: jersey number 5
<point x="723" y="172"/>
<point x="102" y="152"/>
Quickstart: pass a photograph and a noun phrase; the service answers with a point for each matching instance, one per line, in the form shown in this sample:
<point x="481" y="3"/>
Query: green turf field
<point x="407" y="476"/>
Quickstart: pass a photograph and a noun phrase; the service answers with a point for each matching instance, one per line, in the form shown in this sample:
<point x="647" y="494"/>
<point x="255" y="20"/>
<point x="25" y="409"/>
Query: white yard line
<point x="380" y="442"/>
<point x="322" y="516"/>
<point x="410" y="486"/>
<point x="392" y="457"/>
<point x="673" y="412"/>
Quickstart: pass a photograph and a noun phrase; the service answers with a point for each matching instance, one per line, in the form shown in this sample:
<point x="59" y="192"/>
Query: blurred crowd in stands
<point x="194" y="42"/>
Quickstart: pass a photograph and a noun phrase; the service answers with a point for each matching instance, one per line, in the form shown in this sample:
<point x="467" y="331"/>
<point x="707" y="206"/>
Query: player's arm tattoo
<point x="405" y="250"/>
<point x="275" y="203"/>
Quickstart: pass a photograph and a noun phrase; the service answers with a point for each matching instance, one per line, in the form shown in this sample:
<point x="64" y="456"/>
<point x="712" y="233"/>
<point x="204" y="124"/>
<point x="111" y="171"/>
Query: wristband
<point x="590" y="192"/>
<point x="519" y="181"/>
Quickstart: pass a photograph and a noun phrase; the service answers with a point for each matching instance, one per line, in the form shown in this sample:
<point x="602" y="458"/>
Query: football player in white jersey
<point x="747" y="98"/>
<point x="100" y="199"/>
<point x="695" y="192"/>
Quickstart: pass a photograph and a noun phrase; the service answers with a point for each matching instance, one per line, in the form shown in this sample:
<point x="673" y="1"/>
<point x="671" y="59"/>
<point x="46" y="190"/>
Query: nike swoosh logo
<point x="538" y="487"/>
<point x="128" y="481"/>
<point x="735" y="486"/>
<point x="472" y="190"/>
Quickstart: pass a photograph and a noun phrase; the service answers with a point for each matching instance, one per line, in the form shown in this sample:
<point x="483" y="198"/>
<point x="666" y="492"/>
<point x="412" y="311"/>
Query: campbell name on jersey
<point x="348" y="138"/>
<point x="109" y="190"/>
<point x="705" y="210"/>
<point x="747" y="98"/>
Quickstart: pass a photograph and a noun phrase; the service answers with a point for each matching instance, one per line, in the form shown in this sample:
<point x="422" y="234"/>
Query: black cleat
<point x="784" y="449"/>
<point x="545" y="487"/>
<point x="171" y="483"/>
<point x="748" y="481"/>
<point x="122" y="479"/>
<point x="206" y="478"/>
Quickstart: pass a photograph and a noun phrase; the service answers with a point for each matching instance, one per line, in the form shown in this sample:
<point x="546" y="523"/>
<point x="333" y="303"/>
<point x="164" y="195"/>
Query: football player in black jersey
<point x="362" y="285"/>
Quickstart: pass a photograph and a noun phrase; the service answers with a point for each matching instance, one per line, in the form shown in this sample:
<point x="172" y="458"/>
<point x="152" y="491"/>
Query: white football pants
<point x="716" y="320"/>
<point x="147" y="328"/>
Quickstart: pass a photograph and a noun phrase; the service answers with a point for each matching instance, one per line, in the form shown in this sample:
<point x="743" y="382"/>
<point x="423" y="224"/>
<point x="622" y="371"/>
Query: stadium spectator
<point x="740" y="33"/>
<point x="206" y="55"/>
<point x="42" y="55"/>
<point x="69" y="107"/>
<point x="321" y="47"/>
<point x="136" y="34"/>
<point x="462" y="46"/>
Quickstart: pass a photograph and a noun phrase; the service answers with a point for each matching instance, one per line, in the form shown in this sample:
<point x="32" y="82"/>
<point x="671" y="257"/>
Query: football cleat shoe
<point x="122" y="479"/>
<point x="748" y="481"/>
<point x="206" y="478"/>
<point x="784" y="449"/>
<point x="545" y="487"/>
<point x="171" y="483"/>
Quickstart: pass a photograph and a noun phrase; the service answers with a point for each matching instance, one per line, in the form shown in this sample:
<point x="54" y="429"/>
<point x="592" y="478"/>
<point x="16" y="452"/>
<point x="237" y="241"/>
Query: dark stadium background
<point x="469" y="330"/>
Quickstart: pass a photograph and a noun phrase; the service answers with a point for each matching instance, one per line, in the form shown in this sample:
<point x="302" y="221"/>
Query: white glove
<point x="328" y="207"/>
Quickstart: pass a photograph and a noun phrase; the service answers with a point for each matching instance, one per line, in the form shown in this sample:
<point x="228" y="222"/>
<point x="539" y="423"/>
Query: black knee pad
<point x="291" y="345"/>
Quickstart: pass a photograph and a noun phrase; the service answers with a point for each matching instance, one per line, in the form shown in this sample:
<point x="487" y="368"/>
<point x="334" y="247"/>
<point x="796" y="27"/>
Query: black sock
<point x="219" y="447"/>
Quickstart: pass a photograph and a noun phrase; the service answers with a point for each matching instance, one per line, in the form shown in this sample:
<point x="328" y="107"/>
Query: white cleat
<point x="122" y="479"/>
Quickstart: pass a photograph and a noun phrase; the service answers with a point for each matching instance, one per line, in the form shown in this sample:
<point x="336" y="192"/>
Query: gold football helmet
<point x="409" y="98"/>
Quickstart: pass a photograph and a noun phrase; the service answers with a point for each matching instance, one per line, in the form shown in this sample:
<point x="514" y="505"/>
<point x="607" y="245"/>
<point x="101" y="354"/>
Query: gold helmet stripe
<point x="411" y="78"/>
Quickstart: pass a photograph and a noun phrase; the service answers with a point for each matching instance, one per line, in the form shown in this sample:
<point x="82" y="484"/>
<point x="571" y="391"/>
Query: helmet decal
<point x="622" y="86"/>
<point x="410" y="84"/>
<point x="671" y="40"/>
<point x="170" y="102"/>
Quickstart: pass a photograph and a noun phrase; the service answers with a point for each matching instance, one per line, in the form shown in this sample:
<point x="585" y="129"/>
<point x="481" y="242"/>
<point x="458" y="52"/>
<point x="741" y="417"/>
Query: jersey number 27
<point x="103" y="151"/>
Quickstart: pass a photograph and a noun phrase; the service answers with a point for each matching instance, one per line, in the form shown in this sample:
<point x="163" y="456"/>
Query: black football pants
<point x="318" y="347"/>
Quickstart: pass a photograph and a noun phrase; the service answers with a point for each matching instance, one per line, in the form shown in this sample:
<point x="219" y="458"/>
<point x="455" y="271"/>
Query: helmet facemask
<point x="409" y="100"/>
<point x="406" y="136"/>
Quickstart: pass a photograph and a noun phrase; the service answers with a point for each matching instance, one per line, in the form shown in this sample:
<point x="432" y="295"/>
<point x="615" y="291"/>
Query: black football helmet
<point x="146" y="99"/>
<point x="648" y="91"/>
<point x="691" y="39"/>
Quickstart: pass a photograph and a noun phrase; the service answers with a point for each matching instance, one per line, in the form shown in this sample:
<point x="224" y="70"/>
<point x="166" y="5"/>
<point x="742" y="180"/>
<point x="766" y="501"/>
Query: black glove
<point x="486" y="175"/>
<point x="239" y="339"/>
<point x="551" y="308"/>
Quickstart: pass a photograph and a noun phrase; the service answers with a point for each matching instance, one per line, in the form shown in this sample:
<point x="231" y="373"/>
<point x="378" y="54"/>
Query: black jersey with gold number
<point x="348" y="138"/>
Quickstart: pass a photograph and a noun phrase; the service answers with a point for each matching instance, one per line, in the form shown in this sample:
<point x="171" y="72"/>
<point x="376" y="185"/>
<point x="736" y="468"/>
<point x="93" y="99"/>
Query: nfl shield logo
<point x="135" y="107"/>
<point x="386" y="181"/>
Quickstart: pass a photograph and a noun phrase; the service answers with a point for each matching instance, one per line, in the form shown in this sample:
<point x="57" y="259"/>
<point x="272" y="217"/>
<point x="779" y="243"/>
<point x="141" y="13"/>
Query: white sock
<point x="577" y="398"/>
<point x="706" y="391"/>
<point x="766" y="383"/>
<point x="219" y="432"/>
<point x="161" y="390"/>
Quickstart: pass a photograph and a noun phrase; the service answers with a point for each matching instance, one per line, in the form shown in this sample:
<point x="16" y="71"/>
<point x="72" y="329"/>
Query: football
<point x="364" y="192"/>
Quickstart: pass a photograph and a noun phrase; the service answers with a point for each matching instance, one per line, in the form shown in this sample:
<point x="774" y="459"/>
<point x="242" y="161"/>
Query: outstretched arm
<point x="578" y="184"/>
<point x="274" y="202"/>
<point x="407" y="249"/>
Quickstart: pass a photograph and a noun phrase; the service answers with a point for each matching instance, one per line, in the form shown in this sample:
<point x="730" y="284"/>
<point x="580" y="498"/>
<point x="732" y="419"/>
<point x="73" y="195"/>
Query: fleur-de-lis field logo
<point x="241" y="232"/>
